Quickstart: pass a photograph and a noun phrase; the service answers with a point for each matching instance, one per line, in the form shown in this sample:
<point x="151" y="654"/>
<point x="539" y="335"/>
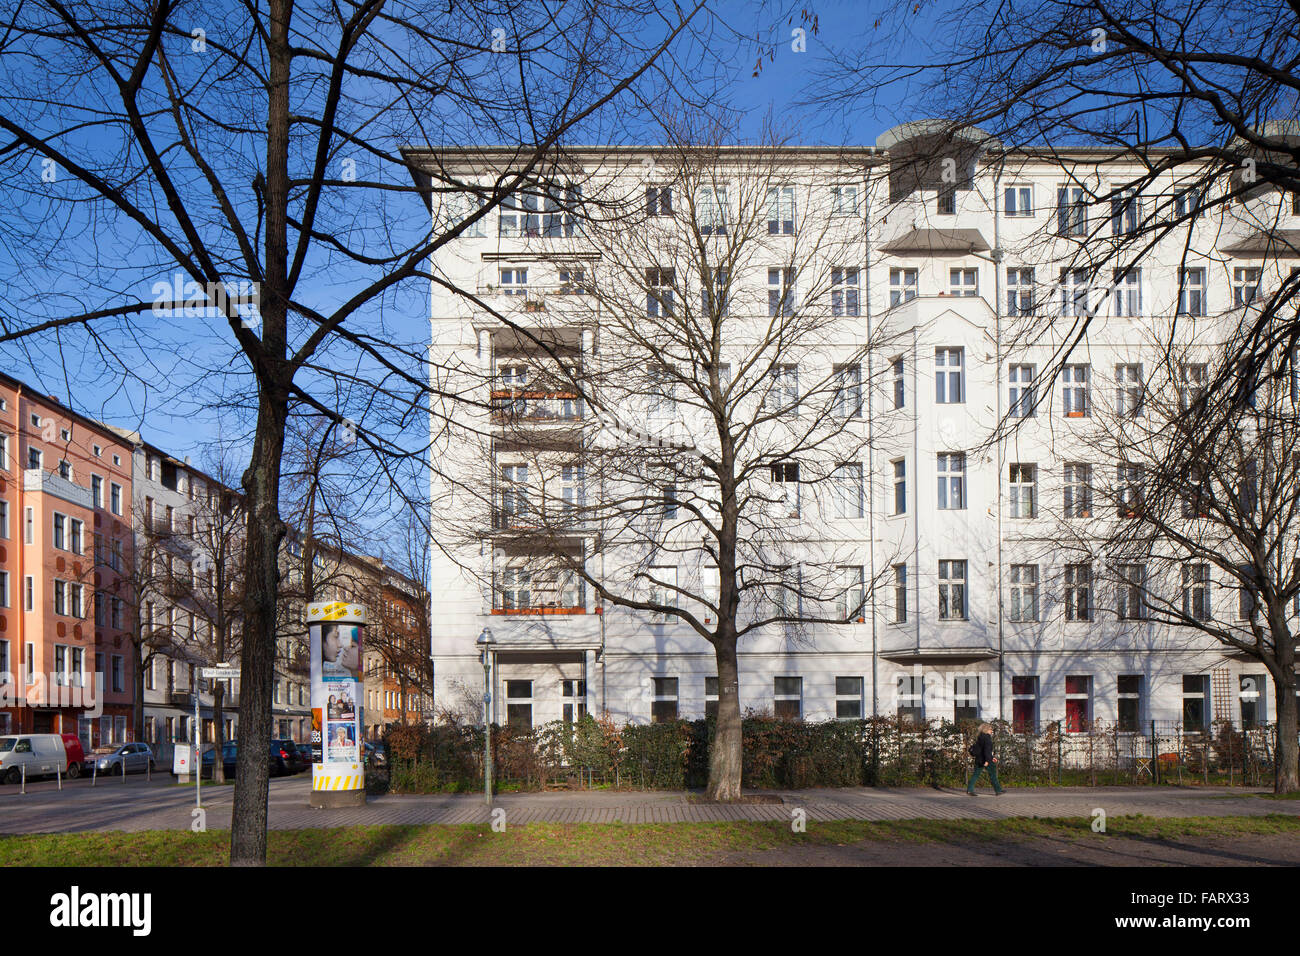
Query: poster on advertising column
<point x="336" y="631"/>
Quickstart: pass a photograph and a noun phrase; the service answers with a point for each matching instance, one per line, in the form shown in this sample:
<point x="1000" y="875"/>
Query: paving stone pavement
<point x="136" y="804"/>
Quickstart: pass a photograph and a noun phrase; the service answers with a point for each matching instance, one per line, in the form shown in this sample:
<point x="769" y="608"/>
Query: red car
<point x="76" y="756"/>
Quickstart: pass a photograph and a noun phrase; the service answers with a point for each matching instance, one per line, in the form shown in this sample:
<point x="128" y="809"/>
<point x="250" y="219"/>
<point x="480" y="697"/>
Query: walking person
<point x="982" y="751"/>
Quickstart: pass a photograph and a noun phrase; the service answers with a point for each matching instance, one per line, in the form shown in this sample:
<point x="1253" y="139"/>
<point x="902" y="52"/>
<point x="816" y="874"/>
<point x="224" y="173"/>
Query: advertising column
<point x="338" y="777"/>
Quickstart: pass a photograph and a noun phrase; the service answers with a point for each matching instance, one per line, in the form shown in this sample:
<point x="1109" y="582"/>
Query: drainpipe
<point x="1000" y="452"/>
<point x="20" y="519"/>
<point x="871" y="443"/>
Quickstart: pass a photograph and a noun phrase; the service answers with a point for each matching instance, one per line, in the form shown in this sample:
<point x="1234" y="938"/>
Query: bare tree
<point x="670" y="423"/>
<point x="1198" y="494"/>
<point x="246" y="151"/>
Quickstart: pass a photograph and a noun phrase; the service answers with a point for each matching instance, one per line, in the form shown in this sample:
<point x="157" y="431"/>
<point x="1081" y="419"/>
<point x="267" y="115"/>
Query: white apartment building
<point x="978" y="608"/>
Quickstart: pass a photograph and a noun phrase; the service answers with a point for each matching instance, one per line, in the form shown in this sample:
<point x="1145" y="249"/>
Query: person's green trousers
<point x="992" y="768"/>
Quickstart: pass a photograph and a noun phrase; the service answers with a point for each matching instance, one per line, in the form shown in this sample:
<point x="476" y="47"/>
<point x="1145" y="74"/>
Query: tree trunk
<point x="218" y="697"/>
<point x="1286" y="779"/>
<point x="137" y="689"/>
<point x="726" y="753"/>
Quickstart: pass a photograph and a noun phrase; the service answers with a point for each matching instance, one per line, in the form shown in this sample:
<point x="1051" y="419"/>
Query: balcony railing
<point x="534" y="407"/>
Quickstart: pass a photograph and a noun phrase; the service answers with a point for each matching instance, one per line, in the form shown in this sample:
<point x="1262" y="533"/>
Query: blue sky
<point x="163" y="396"/>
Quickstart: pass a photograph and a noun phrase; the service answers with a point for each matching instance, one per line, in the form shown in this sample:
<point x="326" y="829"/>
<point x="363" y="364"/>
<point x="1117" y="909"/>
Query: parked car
<point x="123" y="759"/>
<point x="290" y="754"/>
<point x="44" y="755"/>
<point x="305" y="750"/>
<point x="76" y="755"/>
<point x="229" y="751"/>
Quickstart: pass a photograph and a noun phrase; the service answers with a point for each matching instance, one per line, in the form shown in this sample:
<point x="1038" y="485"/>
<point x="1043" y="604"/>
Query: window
<point x="561" y="207"/>
<point x="29" y="526"/>
<point x="573" y="699"/>
<point x="911" y="698"/>
<point x="4" y="590"/>
<point x="571" y="488"/>
<point x="573" y="281"/>
<point x="1130" y="581"/>
<point x="848" y="391"/>
<point x="60" y="597"/>
<point x="780" y="211"/>
<point x="900" y="384"/>
<point x="1196" y="702"/>
<point x="1024" y="705"/>
<point x="1128" y="292"/>
<point x="846" y="483"/>
<point x="946" y="202"/>
<point x="663" y="702"/>
<point x="659" y="292"/>
<point x="1078" y="592"/>
<point x="1071" y="211"/>
<point x="1245" y="286"/>
<point x="459" y="208"/>
<point x="661" y="589"/>
<point x="519" y="704"/>
<point x="514" y="282"/>
<point x="116" y="682"/>
<point x="33" y="458"/>
<point x="1192" y="378"/>
<point x="65" y="470"/>
<point x="1188" y="201"/>
<point x="952" y="590"/>
<point x="844" y="292"/>
<point x="60" y="664"/>
<point x="4" y="452"/>
<point x="783" y="391"/>
<point x="75" y="535"/>
<point x="76" y="606"/>
<point x="787" y="698"/>
<point x="515" y="593"/>
<point x="1024" y="593"/>
<point x="949" y="376"/>
<point x="5" y="675"/>
<point x="786" y="474"/>
<point x="902" y="286"/>
<point x="1196" y="591"/>
<point x="951" y="468"/>
<point x="851" y="601"/>
<point x="1191" y="292"/>
<point x="97" y="490"/>
<point x="514" y="491"/>
<point x="30" y="657"/>
<point x="519" y="216"/>
<point x="1128" y="489"/>
<point x="711" y="698"/>
<point x="965" y="698"/>
<point x="780" y="292"/>
<point x="4" y="518"/>
<point x="1128" y="391"/>
<point x="1077" y="496"/>
<point x="1123" y="213"/>
<point x="1022" y="487"/>
<point x="29" y="594"/>
<point x="659" y="200"/>
<point x="713" y="210"/>
<point x="963" y="282"/>
<point x="844" y="200"/>
<point x="848" y="698"/>
<point x="713" y="295"/>
<point x="661" y="392"/>
<point x="1253" y="711"/>
<point x="1020" y="292"/>
<point x="1074" y="393"/>
<point x="78" y="667"/>
<point x="115" y="499"/>
<point x="1129" y="702"/>
<point x="1078" y="704"/>
<point x="900" y="593"/>
<point x="1247" y="603"/>
<point x="1021" y="378"/>
<point x="900" y="486"/>
<point x="1018" y="201"/>
<point x="1074" y="292"/>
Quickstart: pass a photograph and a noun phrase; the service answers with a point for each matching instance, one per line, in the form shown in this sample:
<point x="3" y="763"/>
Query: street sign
<point x="220" y="673"/>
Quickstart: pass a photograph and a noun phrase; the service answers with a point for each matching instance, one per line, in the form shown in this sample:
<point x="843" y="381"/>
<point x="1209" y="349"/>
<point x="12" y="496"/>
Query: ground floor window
<point x="848" y="698"/>
<point x="1078" y="703"/>
<point x="965" y="697"/>
<point x="1129" y="706"/>
<point x="573" y="695"/>
<point x="663" y="704"/>
<point x="1196" y="701"/>
<point x="519" y="704"/>
<point x="787" y="698"/>
<point x="1252" y="701"/>
<point x="1024" y="705"/>
<point x="910" y="707"/>
<point x="711" y="697"/>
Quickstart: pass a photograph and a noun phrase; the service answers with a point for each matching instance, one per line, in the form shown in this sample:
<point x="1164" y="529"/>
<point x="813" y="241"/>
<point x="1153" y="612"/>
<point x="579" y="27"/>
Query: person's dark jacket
<point x="983" y="750"/>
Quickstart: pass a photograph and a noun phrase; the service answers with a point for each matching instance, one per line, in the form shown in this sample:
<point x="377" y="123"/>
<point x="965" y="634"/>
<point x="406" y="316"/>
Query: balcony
<point x="183" y="701"/>
<point x="50" y="483"/>
<point x="524" y="406"/>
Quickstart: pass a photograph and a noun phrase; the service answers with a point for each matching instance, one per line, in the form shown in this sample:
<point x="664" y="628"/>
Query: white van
<point x="42" y="754"/>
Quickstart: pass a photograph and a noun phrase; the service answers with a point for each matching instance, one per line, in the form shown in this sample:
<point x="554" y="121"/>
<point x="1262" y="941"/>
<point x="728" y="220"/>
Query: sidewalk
<point x="160" y="806"/>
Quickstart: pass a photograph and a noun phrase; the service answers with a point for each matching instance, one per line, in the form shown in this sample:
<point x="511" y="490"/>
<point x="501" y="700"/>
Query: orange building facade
<point x="66" y="550"/>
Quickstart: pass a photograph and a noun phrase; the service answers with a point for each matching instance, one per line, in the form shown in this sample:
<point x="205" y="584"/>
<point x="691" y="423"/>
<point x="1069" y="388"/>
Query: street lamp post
<point x="485" y="658"/>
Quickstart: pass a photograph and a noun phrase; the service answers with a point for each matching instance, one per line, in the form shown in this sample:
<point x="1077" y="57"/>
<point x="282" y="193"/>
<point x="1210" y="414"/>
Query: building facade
<point x="977" y="608"/>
